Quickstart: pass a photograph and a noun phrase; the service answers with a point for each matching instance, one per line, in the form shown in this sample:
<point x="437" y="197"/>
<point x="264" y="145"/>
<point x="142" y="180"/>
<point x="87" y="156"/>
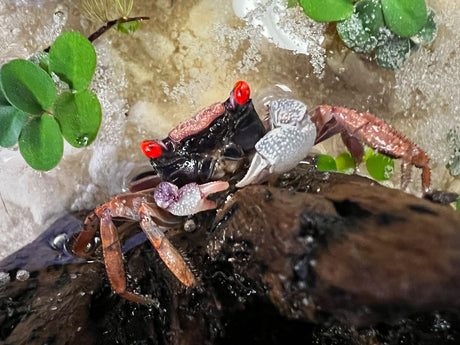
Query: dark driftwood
<point x="304" y="260"/>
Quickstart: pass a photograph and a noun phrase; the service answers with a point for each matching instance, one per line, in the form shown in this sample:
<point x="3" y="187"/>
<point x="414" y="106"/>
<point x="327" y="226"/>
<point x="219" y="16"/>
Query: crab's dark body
<point x="198" y="157"/>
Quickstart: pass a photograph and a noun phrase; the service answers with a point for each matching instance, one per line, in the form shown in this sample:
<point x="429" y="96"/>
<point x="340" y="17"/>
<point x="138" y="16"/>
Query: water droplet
<point x="189" y="225"/>
<point x="59" y="241"/>
<point x="82" y="140"/>
<point x="22" y="275"/>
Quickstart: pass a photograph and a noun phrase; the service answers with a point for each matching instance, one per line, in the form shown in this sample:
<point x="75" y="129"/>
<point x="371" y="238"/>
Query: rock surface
<point x="307" y="259"/>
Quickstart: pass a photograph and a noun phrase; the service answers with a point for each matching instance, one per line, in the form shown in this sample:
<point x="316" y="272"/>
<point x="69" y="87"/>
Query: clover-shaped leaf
<point x="394" y="53"/>
<point x="41" y="143"/>
<point x="27" y="87"/>
<point x="345" y="163"/>
<point x="380" y="167"/>
<point x="79" y="115"/>
<point x="405" y="17"/>
<point x="362" y="31"/>
<point x="326" y="163"/>
<point x="11" y="122"/>
<point x="73" y="58"/>
<point x="427" y="34"/>
<point x="327" y="10"/>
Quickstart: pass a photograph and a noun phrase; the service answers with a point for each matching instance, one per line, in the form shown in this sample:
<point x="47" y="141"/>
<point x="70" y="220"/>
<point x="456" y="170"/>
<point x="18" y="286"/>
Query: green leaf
<point x="41" y="143"/>
<point x="327" y="10"/>
<point x="362" y="31"/>
<point x="394" y="53"/>
<point x="345" y="163"/>
<point x="11" y="122"/>
<point x="380" y="167"/>
<point x="457" y="206"/>
<point x="368" y="152"/>
<point x="427" y="34"/>
<point x="326" y="163"/>
<point x="3" y="100"/>
<point x="128" y="27"/>
<point x="73" y="58"/>
<point x="79" y="116"/>
<point x="27" y="87"/>
<point x="405" y="17"/>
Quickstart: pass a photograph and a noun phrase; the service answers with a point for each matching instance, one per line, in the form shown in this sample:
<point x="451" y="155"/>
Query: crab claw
<point x="291" y="138"/>
<point x="278" y="151"/>
<point x="189" y="199"/>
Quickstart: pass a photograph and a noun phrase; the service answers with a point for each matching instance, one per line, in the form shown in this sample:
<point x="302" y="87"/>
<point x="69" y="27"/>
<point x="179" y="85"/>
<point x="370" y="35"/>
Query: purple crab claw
<point x="281" y="149"/>
<point x="189" y="199"/>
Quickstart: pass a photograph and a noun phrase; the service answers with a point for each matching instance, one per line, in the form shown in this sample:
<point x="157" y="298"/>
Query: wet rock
<point x="308" y="259"/>
<point x="356" y="250"/>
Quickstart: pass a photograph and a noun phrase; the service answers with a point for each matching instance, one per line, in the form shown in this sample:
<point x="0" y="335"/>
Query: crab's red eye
<point x="151" y="148"/>
<point x="241" y="92"/>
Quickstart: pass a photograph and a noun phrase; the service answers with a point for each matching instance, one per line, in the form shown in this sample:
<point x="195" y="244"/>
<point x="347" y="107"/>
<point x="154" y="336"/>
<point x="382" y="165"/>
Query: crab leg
<point x="86" y="234"/>
<point x="122" y="206"/>
<point x="170" y="256"/>
<point x="113" y="259"/>
<point x="357" y="128"/>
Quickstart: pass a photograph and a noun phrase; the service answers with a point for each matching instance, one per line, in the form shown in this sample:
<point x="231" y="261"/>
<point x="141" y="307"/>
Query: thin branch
<point x="95" y="35"/>
<point x="111" y="23"/>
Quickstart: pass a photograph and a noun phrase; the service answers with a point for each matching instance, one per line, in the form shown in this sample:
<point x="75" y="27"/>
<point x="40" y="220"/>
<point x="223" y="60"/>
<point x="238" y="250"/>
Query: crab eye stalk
<point x="151" y="148"/>
<point x="241" y="92"/>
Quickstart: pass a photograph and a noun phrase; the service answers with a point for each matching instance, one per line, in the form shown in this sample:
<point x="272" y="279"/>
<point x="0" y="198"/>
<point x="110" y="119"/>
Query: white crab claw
<point x="278" y="151"/>
<point x="189" y="199"/>
<point x="288" y="111"/>
<point x="257" y="172"/>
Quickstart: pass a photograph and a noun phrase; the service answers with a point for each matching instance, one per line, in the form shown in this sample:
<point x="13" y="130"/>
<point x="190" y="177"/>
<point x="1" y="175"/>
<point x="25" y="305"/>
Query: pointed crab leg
<point x="358" y="128"/>
<point x="113" y="259"/>
<point x="123" y="206"/>
<point x="86" y="234"/>
<point x="170" y="256"/>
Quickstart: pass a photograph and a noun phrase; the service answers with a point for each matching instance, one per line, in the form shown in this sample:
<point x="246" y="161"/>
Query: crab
<point x="214" y="149"/>
<point x="189" y="165"/>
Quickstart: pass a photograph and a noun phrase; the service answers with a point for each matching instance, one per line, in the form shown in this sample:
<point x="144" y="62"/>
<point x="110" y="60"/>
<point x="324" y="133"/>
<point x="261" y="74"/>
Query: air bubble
<point x="58" y="242"/>
<point x="22" y="275"/>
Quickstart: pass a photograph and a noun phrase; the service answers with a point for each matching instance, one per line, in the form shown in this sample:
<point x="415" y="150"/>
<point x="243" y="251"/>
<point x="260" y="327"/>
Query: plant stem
<point x="95" y="35"/>
<point x="111" y="23"/>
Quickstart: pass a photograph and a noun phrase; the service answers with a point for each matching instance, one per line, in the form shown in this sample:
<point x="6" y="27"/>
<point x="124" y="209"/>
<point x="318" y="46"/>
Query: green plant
<point x="379" y="166"/>
<point x="391" y="29"/>
<point x="46" y="99"/>
<point x="37" y="113"/>
<point x="327" y="10"/>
